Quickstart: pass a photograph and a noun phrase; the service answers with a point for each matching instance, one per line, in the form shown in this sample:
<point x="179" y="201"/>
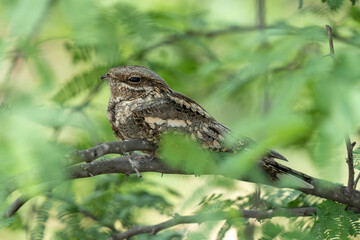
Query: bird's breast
<point x="127" y="120"/>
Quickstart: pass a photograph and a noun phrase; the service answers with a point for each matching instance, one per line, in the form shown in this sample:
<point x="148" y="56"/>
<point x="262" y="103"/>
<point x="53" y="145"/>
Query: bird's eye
<point x="134" y="79"/>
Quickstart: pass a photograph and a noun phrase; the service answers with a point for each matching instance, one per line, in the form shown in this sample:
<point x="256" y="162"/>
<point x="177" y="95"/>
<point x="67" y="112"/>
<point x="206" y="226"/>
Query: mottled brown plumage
<point x="148" y="108"/>
<point x="143" y="106"/>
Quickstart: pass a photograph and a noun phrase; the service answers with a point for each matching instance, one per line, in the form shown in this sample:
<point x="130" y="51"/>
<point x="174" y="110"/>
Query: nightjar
<point x="143" y="106"/>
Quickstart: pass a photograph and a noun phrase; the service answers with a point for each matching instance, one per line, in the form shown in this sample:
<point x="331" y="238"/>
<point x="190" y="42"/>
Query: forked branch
<point x="349" y="146"/>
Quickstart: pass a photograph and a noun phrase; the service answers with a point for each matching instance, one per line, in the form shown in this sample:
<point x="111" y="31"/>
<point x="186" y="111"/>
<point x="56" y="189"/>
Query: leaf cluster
<point x="333" y="221"/>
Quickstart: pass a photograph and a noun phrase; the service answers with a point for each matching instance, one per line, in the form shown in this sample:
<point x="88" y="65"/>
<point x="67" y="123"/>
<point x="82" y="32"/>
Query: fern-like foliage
<point x="79" y="53"/>
<point x="79" y="84"/>
<point x="223" y="230"/>
<point x="214" y="203"/>
<point x="356" y="156"/>
<point x="42" y="216"/>
<point x="77" y="226"/>
<point x="333" y="221"/>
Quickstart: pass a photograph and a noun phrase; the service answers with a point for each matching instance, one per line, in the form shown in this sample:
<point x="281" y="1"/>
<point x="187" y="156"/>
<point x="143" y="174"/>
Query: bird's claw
<point x="143" y="157"/>
<point x="133" y="164"/>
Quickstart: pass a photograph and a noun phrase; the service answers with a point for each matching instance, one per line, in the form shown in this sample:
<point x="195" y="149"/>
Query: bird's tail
<point x="273" y="154"/>
<point x="288" y="177"/>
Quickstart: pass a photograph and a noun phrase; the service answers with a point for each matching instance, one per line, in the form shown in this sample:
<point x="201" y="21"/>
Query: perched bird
<point x="143" y="106"/>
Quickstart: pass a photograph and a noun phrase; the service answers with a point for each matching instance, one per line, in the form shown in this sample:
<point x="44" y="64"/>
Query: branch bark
<point x="322" y="188"/>
<point x="15" y="206"/>
<point x="259" y="215"/>
<point x="102" y="149"/>
<point x="350" y="162"/>
<point x="94" y="170"/>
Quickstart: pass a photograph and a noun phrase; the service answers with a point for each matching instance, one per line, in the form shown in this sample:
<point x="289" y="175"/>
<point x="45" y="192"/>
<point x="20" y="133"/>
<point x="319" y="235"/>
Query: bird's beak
<point x="105" y="76"/>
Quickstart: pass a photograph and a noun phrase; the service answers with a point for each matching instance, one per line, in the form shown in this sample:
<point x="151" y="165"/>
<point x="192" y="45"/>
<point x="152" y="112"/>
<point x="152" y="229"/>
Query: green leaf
<point x="183" y="153"/>
<point x="24" y="22"/>
<point x="223" y="230"/>
<point x="42" y="216"/>
<point x="79" y="53"/>
<point x="271" y="231"/>
<point x="5" y="222"/>
<point x="334" y="222"/>
<point x="355" y="14"/>
<point x="334" y="4"/>
<point x="300" y="4"/>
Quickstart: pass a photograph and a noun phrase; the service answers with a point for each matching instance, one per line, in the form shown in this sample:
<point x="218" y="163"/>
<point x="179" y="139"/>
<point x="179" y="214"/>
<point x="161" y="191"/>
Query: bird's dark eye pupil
<point x="134" y="79"/>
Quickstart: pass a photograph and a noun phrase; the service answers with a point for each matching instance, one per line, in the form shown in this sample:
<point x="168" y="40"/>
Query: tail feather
<point x="276" y="155"/>
<point x="288" y="176"/>
<point x="289" y="180"/>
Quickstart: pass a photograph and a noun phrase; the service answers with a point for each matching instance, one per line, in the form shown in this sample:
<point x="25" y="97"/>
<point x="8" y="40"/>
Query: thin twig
<point x="356" y="180"/>
<point x="190" y="33"/>
<point x="261" y="24"/>
<point x="153" y="229"/>
<point x="349" y="145"/>
<point x="261" y="14"/>
<point x="331" y="44"/>
<point x="350" y="162"/>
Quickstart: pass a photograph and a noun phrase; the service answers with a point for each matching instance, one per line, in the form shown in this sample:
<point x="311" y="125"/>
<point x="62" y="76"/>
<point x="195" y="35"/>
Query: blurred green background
<point x="262" y="68"/>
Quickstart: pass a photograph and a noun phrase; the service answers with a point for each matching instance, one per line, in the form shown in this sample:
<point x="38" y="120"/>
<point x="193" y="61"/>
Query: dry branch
<point x="153" y="229"/>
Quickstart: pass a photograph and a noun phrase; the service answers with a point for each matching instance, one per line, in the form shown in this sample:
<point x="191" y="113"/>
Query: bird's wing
<point x="179" y="113"/>
<point x="217" y="130"/>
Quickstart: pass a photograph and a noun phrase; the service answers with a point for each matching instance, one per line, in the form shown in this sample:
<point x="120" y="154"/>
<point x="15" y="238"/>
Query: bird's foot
<point x="88" y="168"/>
<point x="142" y="157"/>
<point x="134" y="164"/>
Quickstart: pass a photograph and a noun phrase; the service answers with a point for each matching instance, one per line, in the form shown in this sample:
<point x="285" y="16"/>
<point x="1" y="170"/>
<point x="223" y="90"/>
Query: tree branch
<point x="153" y="229"/>
<point x="350" y="162"/>
<point x="15" y="206"/>
<point x="322" y="188"/>
<point x="102" y="149"/>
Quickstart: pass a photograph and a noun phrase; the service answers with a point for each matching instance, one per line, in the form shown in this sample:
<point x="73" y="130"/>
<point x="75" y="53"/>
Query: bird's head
<point x="131" y="82"/>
